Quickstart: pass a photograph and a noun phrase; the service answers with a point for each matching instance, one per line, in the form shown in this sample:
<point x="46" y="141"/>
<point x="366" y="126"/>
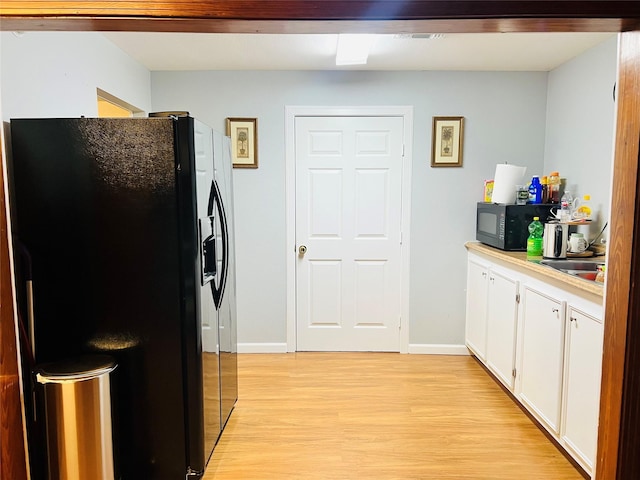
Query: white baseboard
<point x="438" y="349"/>
<point x="262" y="347"/>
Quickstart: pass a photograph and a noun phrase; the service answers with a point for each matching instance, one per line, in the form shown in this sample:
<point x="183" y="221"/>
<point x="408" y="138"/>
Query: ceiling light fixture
<point x="353" y="48"/>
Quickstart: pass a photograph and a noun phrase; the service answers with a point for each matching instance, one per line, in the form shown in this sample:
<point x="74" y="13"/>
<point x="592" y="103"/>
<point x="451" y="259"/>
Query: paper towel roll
<point x="505" y="181"/>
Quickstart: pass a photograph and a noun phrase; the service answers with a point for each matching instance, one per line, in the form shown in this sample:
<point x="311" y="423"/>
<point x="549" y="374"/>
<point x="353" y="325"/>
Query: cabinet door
<point x="542" y="356"/>
<point x="502" y="309"/>
<point x="476" y="321"/>
<point x="582" y="385"/>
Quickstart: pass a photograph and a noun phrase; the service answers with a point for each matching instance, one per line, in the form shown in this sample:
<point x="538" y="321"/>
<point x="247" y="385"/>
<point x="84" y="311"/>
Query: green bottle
<point x="534" y="242"/>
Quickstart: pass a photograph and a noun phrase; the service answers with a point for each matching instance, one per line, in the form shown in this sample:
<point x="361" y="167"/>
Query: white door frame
<point x="291" y="112"/>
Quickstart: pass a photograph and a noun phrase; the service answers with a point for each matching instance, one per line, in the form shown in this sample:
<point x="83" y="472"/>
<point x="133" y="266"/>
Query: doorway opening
<point x="110" y="106"/>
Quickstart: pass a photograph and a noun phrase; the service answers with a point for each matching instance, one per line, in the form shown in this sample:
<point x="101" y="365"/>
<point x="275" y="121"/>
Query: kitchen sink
<point x="579" y="265"/>
<point x="578" y="268"/>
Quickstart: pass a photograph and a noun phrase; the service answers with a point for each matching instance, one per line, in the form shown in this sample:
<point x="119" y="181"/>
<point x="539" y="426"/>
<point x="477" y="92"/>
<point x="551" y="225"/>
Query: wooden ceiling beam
<point x="321" y="16"/>
<point x="328" y="9"/>
<point x="193" y="25"/>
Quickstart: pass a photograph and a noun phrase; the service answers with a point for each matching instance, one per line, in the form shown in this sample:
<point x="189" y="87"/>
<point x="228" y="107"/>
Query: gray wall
<point x="56" y="74"/>
<point x="580" y="126"/>
<point x="504" y="122"/>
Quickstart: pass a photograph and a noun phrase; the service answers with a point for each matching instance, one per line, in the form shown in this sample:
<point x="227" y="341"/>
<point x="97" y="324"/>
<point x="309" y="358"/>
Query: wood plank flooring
<point x="345" y="416"/>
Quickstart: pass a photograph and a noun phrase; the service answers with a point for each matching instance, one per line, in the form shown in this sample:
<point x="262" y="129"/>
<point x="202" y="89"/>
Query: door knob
<point x="302" y="250"/>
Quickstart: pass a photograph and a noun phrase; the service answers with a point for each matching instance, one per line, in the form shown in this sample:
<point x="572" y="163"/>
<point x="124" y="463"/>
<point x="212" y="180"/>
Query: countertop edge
<point x="519" y="259"/>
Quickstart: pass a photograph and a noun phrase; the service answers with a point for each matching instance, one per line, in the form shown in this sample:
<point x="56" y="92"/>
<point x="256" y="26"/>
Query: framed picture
<point x="446" y="142"/>
<point x="244" y="141"/>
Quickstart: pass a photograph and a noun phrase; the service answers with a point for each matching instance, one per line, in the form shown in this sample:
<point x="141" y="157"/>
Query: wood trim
<point x="619" y="434"/>
<point x="619" y="422"/>
<point x="12" y="443"/>
<point x="327" y="9"/>
<point x="322" y="16"/>
<point x="198" y="25"/>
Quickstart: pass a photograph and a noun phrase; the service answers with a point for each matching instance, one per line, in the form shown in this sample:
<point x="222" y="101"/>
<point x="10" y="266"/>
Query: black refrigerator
<point x="125" y="229"/>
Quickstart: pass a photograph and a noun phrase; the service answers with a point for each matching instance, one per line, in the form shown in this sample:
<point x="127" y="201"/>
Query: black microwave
<point x="506" y="226"/>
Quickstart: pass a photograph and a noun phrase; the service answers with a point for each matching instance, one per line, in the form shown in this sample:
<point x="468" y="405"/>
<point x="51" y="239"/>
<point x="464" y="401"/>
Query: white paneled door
<point x="348" y="233"/>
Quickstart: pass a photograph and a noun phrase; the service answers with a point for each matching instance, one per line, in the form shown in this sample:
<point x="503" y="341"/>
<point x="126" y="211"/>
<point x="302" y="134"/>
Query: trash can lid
<point x="75" y="369"/>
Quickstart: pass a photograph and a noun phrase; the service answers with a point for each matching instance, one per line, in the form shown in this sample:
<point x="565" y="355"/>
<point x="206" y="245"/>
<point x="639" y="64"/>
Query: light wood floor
<point x="345" y="416"/>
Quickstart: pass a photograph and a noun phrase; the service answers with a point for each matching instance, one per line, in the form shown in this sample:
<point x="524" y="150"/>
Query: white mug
<point x="577" y="243"/>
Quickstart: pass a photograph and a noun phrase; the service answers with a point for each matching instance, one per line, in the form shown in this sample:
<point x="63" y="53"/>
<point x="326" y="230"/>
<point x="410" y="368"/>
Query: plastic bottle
<point x="583" y="212"/>
<point x="535" y="190"/>
<point x="566" y="207"/>
<point x="554" y="187"/>
<point x="544" y="181"/>
<point x="601" y="275"/>
<point x="534" y="242"/>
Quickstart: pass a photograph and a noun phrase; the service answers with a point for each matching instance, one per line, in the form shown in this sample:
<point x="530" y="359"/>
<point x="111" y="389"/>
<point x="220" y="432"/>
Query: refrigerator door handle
<point x="31" y="323"/>
<point x="215" y="199"/>
<point x="30" y="318"/>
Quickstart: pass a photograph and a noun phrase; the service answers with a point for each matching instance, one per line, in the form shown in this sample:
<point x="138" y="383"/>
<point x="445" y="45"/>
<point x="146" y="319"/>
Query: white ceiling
<point x="459" y="51"/>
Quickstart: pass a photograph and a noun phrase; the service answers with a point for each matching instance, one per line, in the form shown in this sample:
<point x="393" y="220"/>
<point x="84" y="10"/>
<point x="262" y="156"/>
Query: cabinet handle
<point x="555" y="310"/>
<point x="573" y="319"/>
<point x="484" y="274"/>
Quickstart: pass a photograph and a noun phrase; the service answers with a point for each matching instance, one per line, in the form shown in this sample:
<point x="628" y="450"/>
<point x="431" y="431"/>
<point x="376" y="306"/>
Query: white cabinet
<point x="492" y="312"/>
<point x="476" y="320"/>
<point x="552" y="335"/>
<point x="542" y="354"/>
<point x="582" y="385"/>
<point x="502" y="314"/>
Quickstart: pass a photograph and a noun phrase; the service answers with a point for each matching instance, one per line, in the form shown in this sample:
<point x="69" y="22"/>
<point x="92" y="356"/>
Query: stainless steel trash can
<point x="77" y="405"/>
